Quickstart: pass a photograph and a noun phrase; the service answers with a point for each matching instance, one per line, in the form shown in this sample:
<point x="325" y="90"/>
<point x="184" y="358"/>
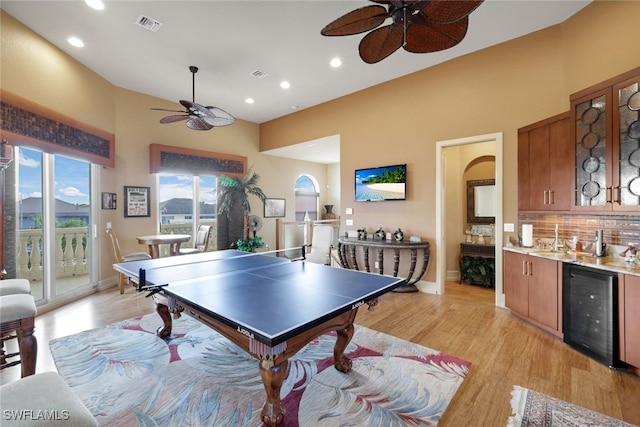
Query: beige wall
<point x="39" y="72"/>
<point x="495" y="90"/>
<point x="499" y="89"/>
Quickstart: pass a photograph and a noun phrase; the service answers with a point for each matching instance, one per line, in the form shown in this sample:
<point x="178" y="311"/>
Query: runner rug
<point x="533" y="409"/>
<point x="128" y="376"/>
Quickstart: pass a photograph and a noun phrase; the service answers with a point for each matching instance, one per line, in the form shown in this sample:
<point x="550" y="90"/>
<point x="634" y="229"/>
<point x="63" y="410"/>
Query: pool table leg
<point x="341" y="362"/>
<point x="273" y="376"/>
<point x="165" y="315"/>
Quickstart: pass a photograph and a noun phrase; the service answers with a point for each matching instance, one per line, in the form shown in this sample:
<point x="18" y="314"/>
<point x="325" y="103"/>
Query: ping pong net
<point x="183" y="268"/>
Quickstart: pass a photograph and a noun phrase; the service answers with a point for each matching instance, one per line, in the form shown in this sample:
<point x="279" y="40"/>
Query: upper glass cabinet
<point x="606" y="134"/>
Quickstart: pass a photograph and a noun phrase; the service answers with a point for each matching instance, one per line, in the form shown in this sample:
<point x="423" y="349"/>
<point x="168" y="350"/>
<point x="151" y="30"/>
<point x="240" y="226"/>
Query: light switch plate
<point x="348" y="211"/>
<point x="509" y="227"/>
<point x="349" y="222"/>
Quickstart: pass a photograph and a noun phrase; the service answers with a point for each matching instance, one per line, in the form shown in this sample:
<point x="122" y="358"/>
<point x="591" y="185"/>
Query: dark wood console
<point x="349" y="258"/>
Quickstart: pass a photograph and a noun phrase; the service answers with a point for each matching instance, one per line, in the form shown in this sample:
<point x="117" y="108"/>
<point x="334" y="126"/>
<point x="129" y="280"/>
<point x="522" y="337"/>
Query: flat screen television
<point x="381" y="183"/>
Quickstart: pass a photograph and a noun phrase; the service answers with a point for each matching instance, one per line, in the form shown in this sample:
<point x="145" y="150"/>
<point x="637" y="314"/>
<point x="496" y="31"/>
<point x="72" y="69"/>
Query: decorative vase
<point x="399" y="235"/>
<point x="329" y="214"/>
<point x="362" y="234"/>
<point x="380" y="234"/>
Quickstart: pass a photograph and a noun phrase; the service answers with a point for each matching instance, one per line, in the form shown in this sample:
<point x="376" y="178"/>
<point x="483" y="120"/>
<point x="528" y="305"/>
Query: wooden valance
<point x="168" y="159"/>
<point x="26" y="123"/>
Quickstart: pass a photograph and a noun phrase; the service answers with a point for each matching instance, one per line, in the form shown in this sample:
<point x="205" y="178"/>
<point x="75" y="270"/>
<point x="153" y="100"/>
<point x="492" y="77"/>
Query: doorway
<point x="443" y="240"/>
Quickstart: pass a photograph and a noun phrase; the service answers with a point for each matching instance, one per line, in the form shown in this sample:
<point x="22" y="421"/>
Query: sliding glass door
<point x="53" y="223"/>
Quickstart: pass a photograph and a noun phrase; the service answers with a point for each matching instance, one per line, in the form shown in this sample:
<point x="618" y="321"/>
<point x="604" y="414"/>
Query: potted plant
<point x="235" y="195"/>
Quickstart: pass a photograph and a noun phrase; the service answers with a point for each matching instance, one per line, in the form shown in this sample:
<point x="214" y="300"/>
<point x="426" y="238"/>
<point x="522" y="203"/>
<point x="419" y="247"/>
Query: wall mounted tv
<point x="381" y="183"/>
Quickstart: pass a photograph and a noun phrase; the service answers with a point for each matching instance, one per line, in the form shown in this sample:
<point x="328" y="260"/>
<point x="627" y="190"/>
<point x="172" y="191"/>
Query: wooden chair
<point x="136" y="256"/>
<point x="17" y="320"/>
<point x="200" y="243"/>
<point x="321" y="244"/>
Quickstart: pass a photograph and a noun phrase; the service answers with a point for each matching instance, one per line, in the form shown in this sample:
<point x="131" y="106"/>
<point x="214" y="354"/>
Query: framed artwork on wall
<point x="275" y="208"/>
<point x="136" y="202"/>
<point x="109" y="201"/>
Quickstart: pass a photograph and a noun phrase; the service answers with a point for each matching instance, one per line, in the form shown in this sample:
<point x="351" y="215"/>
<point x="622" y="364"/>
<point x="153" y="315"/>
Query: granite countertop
<point x="611" y="262"/>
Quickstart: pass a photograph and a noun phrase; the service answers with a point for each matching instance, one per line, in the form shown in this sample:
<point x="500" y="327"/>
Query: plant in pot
<point x="235" y="194"/>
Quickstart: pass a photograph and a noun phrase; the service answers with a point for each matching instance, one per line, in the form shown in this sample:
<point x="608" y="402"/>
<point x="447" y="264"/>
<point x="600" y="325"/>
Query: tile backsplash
<point x="619" y="230"/>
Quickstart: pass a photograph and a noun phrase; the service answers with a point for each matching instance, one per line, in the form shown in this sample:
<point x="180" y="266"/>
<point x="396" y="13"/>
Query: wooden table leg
<point x="273" y="376"/>
<point x="341" y="362"/>
<point x="165" y="315"/>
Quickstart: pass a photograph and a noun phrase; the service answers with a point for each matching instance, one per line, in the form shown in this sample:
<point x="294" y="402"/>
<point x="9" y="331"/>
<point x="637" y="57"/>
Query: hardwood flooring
<point x="503" y="350"/>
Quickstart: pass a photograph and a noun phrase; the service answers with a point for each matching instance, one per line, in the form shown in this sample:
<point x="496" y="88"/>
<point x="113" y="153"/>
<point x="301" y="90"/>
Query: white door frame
<point x="441" y="261"/>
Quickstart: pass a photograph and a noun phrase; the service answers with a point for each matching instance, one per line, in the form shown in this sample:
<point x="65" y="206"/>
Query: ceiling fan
<point x="420" y="26"/>
<point x="198" y="117"/>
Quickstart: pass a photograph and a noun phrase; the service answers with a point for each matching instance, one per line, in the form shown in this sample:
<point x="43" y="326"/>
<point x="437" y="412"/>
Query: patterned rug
<point x="128" y="376"/>
<point x="533" y="409"/>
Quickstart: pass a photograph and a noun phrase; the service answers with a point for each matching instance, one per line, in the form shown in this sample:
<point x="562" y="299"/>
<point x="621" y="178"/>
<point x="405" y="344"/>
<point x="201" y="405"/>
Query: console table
<point x="482" y="258"/>
<point x="348" y="257"/>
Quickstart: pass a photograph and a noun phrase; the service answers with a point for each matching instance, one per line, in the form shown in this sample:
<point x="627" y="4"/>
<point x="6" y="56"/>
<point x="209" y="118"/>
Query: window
<point x="181" y="198"/>
<point x="307" y="196"/>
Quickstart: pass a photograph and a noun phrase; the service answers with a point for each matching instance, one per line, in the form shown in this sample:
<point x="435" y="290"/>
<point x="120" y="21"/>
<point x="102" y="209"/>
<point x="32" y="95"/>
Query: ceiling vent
<point x="148" y="23"/>
<point x="259" y="74"/>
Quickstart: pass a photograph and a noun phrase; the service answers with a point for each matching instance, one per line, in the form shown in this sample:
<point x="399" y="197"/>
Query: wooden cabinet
<point x="605" y="136"/>
<point x="545" y="165"/>
<point x="629" y="320"/>
<point x="533" y="290"/>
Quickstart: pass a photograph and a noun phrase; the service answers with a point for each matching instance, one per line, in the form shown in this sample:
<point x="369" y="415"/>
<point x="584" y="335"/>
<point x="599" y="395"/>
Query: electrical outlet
<point x="108" y="226"/>
<point x="509" y="227"/>
<point x="348" y="211"/>
<point x="377" y="265"/>
<point x="349" y="222"/>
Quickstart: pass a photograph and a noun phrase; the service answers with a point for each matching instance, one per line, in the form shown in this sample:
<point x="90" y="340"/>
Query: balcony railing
<point x="72" y="253"/>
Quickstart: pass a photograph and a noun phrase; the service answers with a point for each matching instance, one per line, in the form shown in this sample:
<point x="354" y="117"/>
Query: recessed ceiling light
<point x="336" y="62"/>
<point x="74" y="41"/>
<point x="249" y="101"/>
<point x="95" y="4"/>
<point x="285" y="84"/>
<point x="294" y="107"/>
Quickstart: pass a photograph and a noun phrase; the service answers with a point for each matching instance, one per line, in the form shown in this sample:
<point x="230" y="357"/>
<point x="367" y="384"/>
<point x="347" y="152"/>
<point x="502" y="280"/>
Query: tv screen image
<point x="381" y="183"/>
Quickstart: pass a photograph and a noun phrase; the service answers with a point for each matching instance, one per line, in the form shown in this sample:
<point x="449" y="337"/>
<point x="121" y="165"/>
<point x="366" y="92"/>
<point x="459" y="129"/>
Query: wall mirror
<point x="481" y="201"/>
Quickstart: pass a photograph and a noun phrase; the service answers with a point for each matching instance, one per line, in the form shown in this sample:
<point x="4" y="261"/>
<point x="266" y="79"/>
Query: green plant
<point x="478" y="270"/>
<point x="236" y="191"/>
<point x="248" y="245"/>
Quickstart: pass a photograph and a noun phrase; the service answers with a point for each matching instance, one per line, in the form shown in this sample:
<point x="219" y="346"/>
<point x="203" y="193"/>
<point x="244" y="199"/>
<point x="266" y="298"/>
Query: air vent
<point x="148" y="23"/>
<point x="259" y="74"/>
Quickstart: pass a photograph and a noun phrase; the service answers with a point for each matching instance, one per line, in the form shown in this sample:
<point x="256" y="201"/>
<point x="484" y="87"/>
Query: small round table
<point x="155" y="240"/>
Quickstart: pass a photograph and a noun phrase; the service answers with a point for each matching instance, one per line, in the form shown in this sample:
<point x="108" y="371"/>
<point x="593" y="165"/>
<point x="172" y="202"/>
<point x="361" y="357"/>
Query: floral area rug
<point x="533" y="409"/>
<point x="127" y="376"/>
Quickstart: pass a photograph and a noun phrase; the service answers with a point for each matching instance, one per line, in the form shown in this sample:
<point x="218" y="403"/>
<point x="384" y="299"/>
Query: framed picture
<point x="136" y="202"/>
<point x="275" y="208"/>
<point x="109" y="201"/>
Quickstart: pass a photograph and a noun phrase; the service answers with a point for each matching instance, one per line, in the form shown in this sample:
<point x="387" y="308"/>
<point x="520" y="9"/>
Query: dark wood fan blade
<point x="433" y="37"/>
<point x="357" y="21"/>
<point x="172" y="119"/>
<point x="186" y="104"/>
<point x="447" y="11"/>
<point x="164" y="109"/>
<point x="380" y="43"/>
<point x="197" y="124"/>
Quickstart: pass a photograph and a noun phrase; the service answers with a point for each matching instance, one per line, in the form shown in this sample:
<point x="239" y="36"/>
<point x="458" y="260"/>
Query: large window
<point x="185" y="202"/>
<point x="306" y="192"/>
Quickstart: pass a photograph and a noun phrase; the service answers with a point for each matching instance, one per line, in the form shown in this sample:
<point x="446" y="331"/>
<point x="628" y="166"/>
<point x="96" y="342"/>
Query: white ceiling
<point x="229" y="40"/>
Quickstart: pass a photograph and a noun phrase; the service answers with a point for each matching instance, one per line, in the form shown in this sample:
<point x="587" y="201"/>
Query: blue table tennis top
<point x="272" y="299"/>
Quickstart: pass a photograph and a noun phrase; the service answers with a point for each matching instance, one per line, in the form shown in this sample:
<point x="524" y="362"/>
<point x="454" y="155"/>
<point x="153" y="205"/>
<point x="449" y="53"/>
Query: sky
<point x="71" y="177"/>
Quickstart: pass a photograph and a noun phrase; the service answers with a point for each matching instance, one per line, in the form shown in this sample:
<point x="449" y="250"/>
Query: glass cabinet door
<point x="626" y="125"/>
<point x="590" y="116"/>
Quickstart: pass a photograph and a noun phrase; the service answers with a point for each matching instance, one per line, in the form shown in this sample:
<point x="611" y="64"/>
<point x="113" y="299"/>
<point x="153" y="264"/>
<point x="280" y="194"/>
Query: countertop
<point x="610" y="262"/>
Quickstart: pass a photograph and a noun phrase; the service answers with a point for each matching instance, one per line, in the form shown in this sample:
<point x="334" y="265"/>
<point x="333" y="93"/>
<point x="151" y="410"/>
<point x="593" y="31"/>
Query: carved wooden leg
<point x="273" y="376"/>
<point x="165" y="315"/>
<point x="341" y="362"/>
<point x="28" y="347"/>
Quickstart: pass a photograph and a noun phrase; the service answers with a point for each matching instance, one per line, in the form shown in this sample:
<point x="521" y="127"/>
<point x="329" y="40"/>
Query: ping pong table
<point x="269" y="306"/>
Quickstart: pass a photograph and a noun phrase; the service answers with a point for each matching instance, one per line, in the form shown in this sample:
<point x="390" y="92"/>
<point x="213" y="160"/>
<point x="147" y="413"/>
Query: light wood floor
<point x="503" y="350"/>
